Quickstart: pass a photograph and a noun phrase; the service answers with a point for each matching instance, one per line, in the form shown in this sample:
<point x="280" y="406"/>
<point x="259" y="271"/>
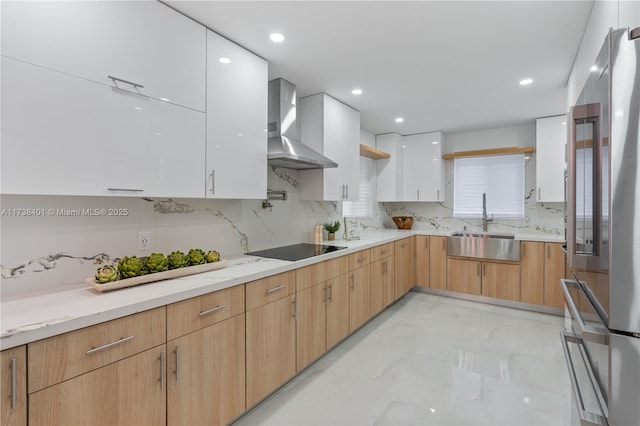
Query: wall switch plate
<point x="144" y="240"/>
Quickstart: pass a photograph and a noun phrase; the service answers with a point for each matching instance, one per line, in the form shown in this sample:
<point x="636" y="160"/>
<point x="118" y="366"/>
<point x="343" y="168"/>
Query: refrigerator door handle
<point x="587" y="418"/>
<point x="585" y="332"/>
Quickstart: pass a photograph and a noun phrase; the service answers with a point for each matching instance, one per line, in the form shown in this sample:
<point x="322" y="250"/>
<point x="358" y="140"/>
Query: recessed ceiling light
<point x="357" y="91"/>
<point x="276" y="38"/>
<point x="564" y="123"/>
<point x="225" y="60"/>
<point x="240" y="134"/>
<point x="165" y="99"/>
<point x="404" y="146"/>
<point x="526" y="81"/>
<point x="526" y="157"/>
<point x="593" y="68"/>
<point x="435" y="142"/>
<point x="399" y="120"/>
<point x="435" y="159"/>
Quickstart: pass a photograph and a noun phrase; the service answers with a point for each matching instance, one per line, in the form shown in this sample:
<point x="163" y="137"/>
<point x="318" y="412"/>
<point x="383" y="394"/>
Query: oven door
<point x="586" y="347"/>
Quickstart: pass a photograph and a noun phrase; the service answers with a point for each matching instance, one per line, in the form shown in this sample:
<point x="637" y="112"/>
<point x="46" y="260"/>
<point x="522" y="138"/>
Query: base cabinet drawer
<point x="127" y="392"/>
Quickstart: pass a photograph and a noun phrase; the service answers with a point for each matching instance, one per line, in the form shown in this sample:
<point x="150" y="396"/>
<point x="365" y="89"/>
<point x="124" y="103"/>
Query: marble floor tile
<point x="433" y="360"/>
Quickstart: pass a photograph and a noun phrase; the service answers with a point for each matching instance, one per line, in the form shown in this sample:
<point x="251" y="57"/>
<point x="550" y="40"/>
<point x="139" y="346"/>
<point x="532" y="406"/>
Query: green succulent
<point x="106" y="274"/>
<point x="177" y="259"/>
<point x="196" y="257"/>
<point x="331" y="226"/>
<point x="130" y="267"/>
<point x="212" y="256"/>
<point x="157" y="262"/>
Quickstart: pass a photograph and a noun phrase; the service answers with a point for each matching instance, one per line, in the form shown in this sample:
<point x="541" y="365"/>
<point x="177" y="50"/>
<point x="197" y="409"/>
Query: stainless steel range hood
<point x="284" y="148"/>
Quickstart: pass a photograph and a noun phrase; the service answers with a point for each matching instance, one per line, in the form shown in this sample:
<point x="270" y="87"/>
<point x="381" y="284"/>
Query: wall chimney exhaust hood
<point x="284" y="149"/>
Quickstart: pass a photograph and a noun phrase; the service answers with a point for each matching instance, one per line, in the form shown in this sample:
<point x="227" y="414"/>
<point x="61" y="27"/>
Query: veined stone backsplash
<point x="64" y="246"/>
<point x="61" y="249"/>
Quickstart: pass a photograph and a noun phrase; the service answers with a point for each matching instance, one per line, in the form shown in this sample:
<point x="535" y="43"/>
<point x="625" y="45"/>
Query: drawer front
<point x="381" y="251"/>
<point x="68" y="355"/>
<point x="358" y="259"/>
<point x="199" y="312"/>
<point x="266" y="290"/>
<point x="314" y="274"/>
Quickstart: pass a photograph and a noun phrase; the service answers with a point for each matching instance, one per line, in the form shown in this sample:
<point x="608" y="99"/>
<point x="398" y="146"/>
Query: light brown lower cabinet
<point x="554" y="271"/>
<point x="382" y="286"/>
<point x="270" y="347"/>
<point x="206" y="375"/>
<point x="404" y="254"/>
<point x="422" y="260"/>
<point x="131" y="391"/>
<point x="13" y="389"/>
<point x="311" y="324"/>
<point x="359" y="297"/>
<point x="337" y="309"/>
<point x="438" y="262"/>
<point x="499" y="280"/>
<point x="532" y="272"/>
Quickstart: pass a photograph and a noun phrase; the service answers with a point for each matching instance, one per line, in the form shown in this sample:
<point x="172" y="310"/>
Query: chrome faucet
<point x="485" y="218"/>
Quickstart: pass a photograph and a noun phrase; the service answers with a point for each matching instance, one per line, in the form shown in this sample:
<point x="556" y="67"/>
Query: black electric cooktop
<point x="296" y="251"/>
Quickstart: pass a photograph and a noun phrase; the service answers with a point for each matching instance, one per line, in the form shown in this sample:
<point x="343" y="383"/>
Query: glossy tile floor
<point x="432" y="360"/>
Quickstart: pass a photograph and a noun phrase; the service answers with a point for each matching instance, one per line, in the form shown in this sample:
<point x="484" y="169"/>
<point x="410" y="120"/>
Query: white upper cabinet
<point x="551" y="139"/>
<point x="237" y="84"/>
<point x="333" y="129"/>
<point x="415" y="171"/>
<point x="423" y="168"/>
<point x="139" y="46"/>
<point x="63" y="135"/>
<point x="390" y="170"/>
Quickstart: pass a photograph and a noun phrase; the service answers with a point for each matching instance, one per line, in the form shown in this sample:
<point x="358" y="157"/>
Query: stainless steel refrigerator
<point x="602" y="291"/>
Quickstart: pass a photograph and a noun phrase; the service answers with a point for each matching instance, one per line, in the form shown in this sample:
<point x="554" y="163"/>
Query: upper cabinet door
<point x="140" y="46"/>
<point x="333" y="129"/>
<point x="390" y="170"/>
<point x="551" y="140"/>
<point x="237" y="83"/>
<point x="423" y="172"/>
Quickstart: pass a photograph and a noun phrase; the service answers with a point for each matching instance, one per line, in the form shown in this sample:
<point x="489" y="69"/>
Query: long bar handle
<point x="213" y="181"/>
<point x="586" y="418"/>
<point x="175" y="351"/>
<point x="109" y="345"/>
<point x="212" y="310"/>
<point x="353" y="281"/>
<point x="330" y="292"/>
<point x="271" y="290"/>
<point x="125" y="189"/>
<point x="14" y="384"/>
<point x="586" y="333"/>
<point x="478" y="269"/>
<point x="162" y="370"/>
<point x="295" y="309"/>
<point x="114" y="79"/>
<point x="324" y="294"/>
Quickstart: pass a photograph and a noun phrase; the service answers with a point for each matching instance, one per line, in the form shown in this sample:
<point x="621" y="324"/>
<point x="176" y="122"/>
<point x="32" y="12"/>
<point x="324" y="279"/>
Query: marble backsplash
<point x="64" y="246"/>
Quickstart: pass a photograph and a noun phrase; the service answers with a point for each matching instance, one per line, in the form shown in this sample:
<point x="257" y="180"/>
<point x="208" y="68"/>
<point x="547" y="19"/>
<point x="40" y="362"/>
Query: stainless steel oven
<point x="602" y="340"/>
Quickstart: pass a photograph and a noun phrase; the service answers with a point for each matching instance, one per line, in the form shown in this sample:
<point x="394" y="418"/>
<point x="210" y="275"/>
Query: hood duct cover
<point x="284" y="149"/>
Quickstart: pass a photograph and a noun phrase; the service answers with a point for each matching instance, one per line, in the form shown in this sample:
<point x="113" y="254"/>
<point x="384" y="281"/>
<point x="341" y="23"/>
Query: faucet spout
<point x="485" y="217"/>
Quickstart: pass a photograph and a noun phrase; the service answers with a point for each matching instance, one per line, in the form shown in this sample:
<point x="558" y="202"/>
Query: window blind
<point x="501" y="177"/>
<point x="364" y="206"/>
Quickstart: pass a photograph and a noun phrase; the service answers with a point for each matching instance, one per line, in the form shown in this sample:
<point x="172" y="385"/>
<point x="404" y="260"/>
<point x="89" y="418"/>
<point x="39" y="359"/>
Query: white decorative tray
<point x="158" y="276"/>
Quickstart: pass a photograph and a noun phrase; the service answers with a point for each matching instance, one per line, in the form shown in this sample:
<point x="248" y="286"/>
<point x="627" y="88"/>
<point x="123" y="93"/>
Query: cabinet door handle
<point x="418" y="194"/>
<point x="353" y="279"/>
<point x="478" y="269"/>
<point x="162" y="370"/>
<point x="114" y="79"/>
<point x="271" y="290"/>
<point x="384" y="267"/>
<point x="539" y="193"/>
<point x="175" y="351"/>
<point x="108" y="345"/>
<point x="295" y="309"/>
<point x="331" y="293"/>
<point x="347" y="196"/>
<point x="438" y="194"/>
<point x="324" y="294"/>
<point x="213" y="181"/>
<point x="484" y="269"/>
<point x="125" y="189"/>
<point x="212" y="310"/>
<point x="14" y="384"/>
<point x="548" y="252"/>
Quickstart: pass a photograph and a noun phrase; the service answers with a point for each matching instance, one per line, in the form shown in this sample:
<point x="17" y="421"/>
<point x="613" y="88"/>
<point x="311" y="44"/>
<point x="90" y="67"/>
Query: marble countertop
<point x="38" y="316"/>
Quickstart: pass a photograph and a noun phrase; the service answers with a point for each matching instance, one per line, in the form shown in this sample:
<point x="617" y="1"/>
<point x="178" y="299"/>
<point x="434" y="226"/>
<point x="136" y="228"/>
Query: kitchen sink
<point x="484" y="246"/>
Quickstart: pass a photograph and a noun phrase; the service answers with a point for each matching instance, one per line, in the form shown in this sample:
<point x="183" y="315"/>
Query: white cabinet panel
<point x="236" y="121"/>
<point x="333" y="129"/>
<point x="423" y="168"/>
<point x="143" y="42"/>
<point x="390" y="170"/>
<point x="63" y="135"/>
<point x="551" y="139"/>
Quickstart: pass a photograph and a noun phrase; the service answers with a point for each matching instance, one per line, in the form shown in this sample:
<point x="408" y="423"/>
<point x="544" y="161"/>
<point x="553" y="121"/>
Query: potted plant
<point x="331" y="228"/>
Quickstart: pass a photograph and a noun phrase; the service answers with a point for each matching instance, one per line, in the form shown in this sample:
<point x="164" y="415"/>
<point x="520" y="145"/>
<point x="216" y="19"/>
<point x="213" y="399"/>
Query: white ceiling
<point x="442" y="65"/>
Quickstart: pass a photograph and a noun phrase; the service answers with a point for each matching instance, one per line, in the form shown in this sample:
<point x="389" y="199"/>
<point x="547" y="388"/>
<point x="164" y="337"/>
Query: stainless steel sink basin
<point x="484" y="246"/>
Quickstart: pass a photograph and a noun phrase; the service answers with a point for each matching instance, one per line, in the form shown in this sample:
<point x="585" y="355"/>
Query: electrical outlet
<point x="144" y="240"/>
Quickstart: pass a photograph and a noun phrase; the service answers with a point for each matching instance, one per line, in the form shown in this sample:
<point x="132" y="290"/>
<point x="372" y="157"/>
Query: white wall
<point x="604" y="15"/>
